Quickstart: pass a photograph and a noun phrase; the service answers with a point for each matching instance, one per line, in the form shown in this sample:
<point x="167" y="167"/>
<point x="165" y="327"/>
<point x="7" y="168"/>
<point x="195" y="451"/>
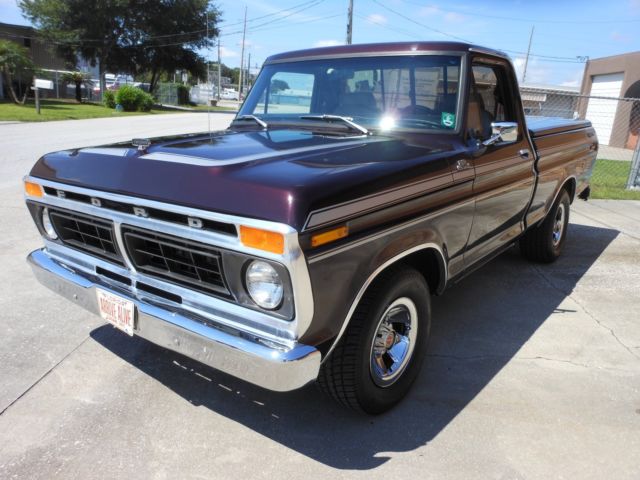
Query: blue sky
<point x="564" y="30"/>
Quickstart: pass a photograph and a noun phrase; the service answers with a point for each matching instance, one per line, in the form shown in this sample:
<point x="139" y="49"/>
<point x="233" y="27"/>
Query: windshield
<point x="377" y="92"/>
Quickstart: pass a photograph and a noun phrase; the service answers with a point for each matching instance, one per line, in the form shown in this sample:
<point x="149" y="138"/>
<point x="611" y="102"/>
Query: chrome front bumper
<point x="248" y="358"/>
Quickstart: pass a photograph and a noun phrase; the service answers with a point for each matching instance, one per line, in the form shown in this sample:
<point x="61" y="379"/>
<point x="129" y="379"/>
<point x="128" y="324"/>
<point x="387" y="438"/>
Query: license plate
<point x="116" y="310"/>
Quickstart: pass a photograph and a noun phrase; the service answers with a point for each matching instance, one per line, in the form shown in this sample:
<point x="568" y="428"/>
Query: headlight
<point x="264" y="285"/>
<point x="47" y="225"/>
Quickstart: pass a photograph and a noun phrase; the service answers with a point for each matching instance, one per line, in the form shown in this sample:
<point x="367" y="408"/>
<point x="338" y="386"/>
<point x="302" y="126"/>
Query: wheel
<point x="380" y="354"/>
<point x="544" y="243"/>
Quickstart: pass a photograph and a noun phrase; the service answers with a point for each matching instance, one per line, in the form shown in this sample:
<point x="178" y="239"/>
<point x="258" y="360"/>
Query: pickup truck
<point x="304" y="242"/>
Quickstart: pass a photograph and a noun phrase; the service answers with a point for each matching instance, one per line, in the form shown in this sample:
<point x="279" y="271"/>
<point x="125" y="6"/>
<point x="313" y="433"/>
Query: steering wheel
<point x="418" y="110"/>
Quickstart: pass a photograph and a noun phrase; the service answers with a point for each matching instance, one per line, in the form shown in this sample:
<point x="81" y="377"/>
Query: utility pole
<point x="244" y="34"/>
<point x="208" y="57"/>
<point x="219" y="69"/>
<point x="350" y="22"/>
<point x="248" y="81"/>
<point x="526" y="60"/>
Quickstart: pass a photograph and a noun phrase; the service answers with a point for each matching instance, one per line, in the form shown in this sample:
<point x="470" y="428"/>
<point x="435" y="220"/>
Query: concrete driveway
<point x="534" y="371"/>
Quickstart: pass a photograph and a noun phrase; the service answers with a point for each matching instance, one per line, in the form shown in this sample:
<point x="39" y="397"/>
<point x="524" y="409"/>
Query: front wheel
<point x="544" y="242"/>
<point x="379" y="357"/>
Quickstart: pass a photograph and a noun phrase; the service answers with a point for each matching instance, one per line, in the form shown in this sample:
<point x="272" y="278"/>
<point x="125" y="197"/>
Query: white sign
<point x="44" y="84"/>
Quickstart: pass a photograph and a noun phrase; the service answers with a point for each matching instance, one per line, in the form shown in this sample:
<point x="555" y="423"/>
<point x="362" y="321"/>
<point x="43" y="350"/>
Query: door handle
<point x="463" y="164"/>
<point x="524" y="153"/>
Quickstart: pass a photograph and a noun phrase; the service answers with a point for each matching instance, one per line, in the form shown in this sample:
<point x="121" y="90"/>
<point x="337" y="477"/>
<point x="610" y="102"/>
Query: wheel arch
<point x="422" y="257"/>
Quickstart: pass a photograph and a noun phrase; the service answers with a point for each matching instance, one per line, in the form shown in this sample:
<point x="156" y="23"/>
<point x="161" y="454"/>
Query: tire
<point x="544" y="242"/>
<point x="357" y="372"/>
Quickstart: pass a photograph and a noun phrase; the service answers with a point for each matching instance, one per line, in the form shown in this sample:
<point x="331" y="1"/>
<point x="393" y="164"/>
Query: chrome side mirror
<point x="502" y="132"/>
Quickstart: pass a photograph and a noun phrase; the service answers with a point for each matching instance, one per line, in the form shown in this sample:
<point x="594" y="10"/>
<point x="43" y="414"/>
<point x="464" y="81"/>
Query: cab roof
<point x="369" y="49"/>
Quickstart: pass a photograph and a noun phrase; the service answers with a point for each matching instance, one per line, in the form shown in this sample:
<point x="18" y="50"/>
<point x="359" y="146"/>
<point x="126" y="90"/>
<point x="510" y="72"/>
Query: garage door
<point x="603" y="112"/>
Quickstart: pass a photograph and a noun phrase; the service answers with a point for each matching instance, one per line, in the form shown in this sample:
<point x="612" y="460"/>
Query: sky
<point x="566" y="32"/>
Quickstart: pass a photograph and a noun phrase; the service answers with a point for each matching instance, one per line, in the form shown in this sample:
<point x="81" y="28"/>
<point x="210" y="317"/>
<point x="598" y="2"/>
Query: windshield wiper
<point x="337" y="118"/>
<point x="260" y="122"/>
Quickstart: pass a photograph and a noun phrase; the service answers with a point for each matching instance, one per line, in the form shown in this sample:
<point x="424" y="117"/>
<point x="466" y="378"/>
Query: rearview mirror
<point x="502" y="132"/>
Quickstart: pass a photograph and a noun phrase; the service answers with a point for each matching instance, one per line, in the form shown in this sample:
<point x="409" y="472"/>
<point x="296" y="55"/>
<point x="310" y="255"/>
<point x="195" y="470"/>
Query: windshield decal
<point x="448" y="120"/>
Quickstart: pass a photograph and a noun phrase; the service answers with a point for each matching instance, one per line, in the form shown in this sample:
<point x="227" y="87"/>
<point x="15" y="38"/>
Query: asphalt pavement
<point x="533" y="371"/>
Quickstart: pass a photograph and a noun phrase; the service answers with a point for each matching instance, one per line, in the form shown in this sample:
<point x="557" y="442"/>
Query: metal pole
<point x="37" y="95"/>
<point x="208" y="63"/>
<point x="350" y="22"/>
<point x="633" y="182"/>
<point x="248" y="80"/>
<point x="244" y="34"/>
<point x="219" y="70"/>
<point x="526" y="60"/>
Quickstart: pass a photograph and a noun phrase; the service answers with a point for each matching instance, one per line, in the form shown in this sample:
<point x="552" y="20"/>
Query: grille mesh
<point x="88" y="234"/>
<point x="190" y="264"/>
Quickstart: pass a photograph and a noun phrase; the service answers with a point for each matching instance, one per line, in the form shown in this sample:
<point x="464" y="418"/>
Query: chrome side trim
<point x="370" y="280"/>
<point x="352" y="208"/>
<point x="293" y="257"/>
<point x="330" y="253"/>
<point x="253" y="359"/>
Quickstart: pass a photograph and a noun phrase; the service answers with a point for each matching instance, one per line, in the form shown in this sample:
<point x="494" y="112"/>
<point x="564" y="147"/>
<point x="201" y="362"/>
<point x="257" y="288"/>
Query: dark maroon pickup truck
<point x="305" y="240"/>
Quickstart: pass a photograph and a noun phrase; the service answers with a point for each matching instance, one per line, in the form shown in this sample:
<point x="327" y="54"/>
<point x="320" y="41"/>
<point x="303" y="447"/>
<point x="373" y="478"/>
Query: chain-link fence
<point x="617" y="122"/>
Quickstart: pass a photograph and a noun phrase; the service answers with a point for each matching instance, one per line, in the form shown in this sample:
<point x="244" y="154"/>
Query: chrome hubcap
<point x="558" y="225"/>
<point x="394" y="341"/>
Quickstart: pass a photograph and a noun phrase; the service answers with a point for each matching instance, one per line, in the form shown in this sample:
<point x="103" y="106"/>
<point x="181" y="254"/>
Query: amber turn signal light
<point x="33" y="189"/>
<point x="262" y="239"/>
<point x="329" y="236"/>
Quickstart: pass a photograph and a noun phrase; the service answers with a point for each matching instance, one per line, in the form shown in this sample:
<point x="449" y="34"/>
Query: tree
<point x="78" y="79"/>
<point x="15" y="64"/>
<point x="278" y="86"/>
<point x="132" y="36"/>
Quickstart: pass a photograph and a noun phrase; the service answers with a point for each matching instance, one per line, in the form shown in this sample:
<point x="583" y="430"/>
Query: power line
<point x="455" y="37"/>
<point x="249" y="20"/>
<point x="528" y="20"/>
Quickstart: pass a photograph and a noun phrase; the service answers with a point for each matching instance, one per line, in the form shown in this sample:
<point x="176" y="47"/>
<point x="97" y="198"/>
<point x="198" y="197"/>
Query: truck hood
<point x="279" y="175"/>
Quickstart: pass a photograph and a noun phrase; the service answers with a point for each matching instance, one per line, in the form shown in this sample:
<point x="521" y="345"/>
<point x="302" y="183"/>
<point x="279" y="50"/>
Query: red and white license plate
<point x="116" y="310"/>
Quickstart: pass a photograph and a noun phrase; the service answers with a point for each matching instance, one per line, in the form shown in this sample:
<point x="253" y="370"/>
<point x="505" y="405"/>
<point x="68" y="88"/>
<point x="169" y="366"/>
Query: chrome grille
<point x="190" y="264"/>
<point x="88" y="234"/>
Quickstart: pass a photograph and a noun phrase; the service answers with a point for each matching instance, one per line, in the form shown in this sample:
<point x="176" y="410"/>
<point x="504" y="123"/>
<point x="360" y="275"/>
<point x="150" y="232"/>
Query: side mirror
<point x="502" y="132"/>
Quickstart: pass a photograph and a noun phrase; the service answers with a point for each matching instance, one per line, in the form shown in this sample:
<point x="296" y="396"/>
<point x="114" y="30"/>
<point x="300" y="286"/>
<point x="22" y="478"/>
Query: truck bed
<point x="541" y="126"/>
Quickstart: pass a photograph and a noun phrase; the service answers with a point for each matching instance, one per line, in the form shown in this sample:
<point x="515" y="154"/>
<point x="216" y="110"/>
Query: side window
<point x="289" y="92"/>
<point x="490" y="100"/>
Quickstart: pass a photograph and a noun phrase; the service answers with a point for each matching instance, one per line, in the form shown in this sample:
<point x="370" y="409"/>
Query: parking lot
<point x="533" y="371"/>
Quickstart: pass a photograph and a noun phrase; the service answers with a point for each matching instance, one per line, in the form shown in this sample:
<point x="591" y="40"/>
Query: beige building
<point x="606" y="80"/>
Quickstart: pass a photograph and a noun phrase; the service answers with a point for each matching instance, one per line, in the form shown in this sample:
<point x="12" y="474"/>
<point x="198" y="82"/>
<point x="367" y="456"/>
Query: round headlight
<point x="264" y="285"/>
<point x="47" y="225"/>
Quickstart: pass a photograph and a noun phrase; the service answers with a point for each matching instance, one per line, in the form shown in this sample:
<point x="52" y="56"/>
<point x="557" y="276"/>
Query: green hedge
<point x="109" y="99"/>
<point x="133" y="99"/>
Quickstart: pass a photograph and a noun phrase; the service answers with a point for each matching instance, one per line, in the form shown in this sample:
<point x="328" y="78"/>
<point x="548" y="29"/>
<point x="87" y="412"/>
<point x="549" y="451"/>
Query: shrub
<point x="133" y="99"/>
<point x="109" y="99"/>
<point x="183" y="95"/>
<point x="147" y="102"/>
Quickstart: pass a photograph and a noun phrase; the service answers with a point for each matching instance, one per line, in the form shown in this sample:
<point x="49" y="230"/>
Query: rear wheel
<point x="544" y="243"/>
<point x="380" y="354"/>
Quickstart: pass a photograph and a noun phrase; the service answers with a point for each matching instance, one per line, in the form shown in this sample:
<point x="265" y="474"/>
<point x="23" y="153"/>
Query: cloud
<point x="620" y="37"/>
<point x="454" y="17"/>
<point x="429" y="11"/>
<point x="327" y="43"/>
<point x="227" y="53"/>
<point x="536" y="73"/>
<point x="377" y="18"/>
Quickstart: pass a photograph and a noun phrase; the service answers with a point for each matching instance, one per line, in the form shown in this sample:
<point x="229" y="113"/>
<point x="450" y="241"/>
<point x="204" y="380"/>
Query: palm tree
<point x="79" y="79"/>
<point x="15" y="64"/>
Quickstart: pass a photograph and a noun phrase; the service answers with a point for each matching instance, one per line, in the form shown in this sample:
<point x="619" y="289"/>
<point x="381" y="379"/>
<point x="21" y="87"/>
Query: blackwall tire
<point x="378" y="358"/>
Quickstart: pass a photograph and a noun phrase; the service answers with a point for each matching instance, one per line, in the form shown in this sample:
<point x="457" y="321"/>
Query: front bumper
<point x="243" y="356"/>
